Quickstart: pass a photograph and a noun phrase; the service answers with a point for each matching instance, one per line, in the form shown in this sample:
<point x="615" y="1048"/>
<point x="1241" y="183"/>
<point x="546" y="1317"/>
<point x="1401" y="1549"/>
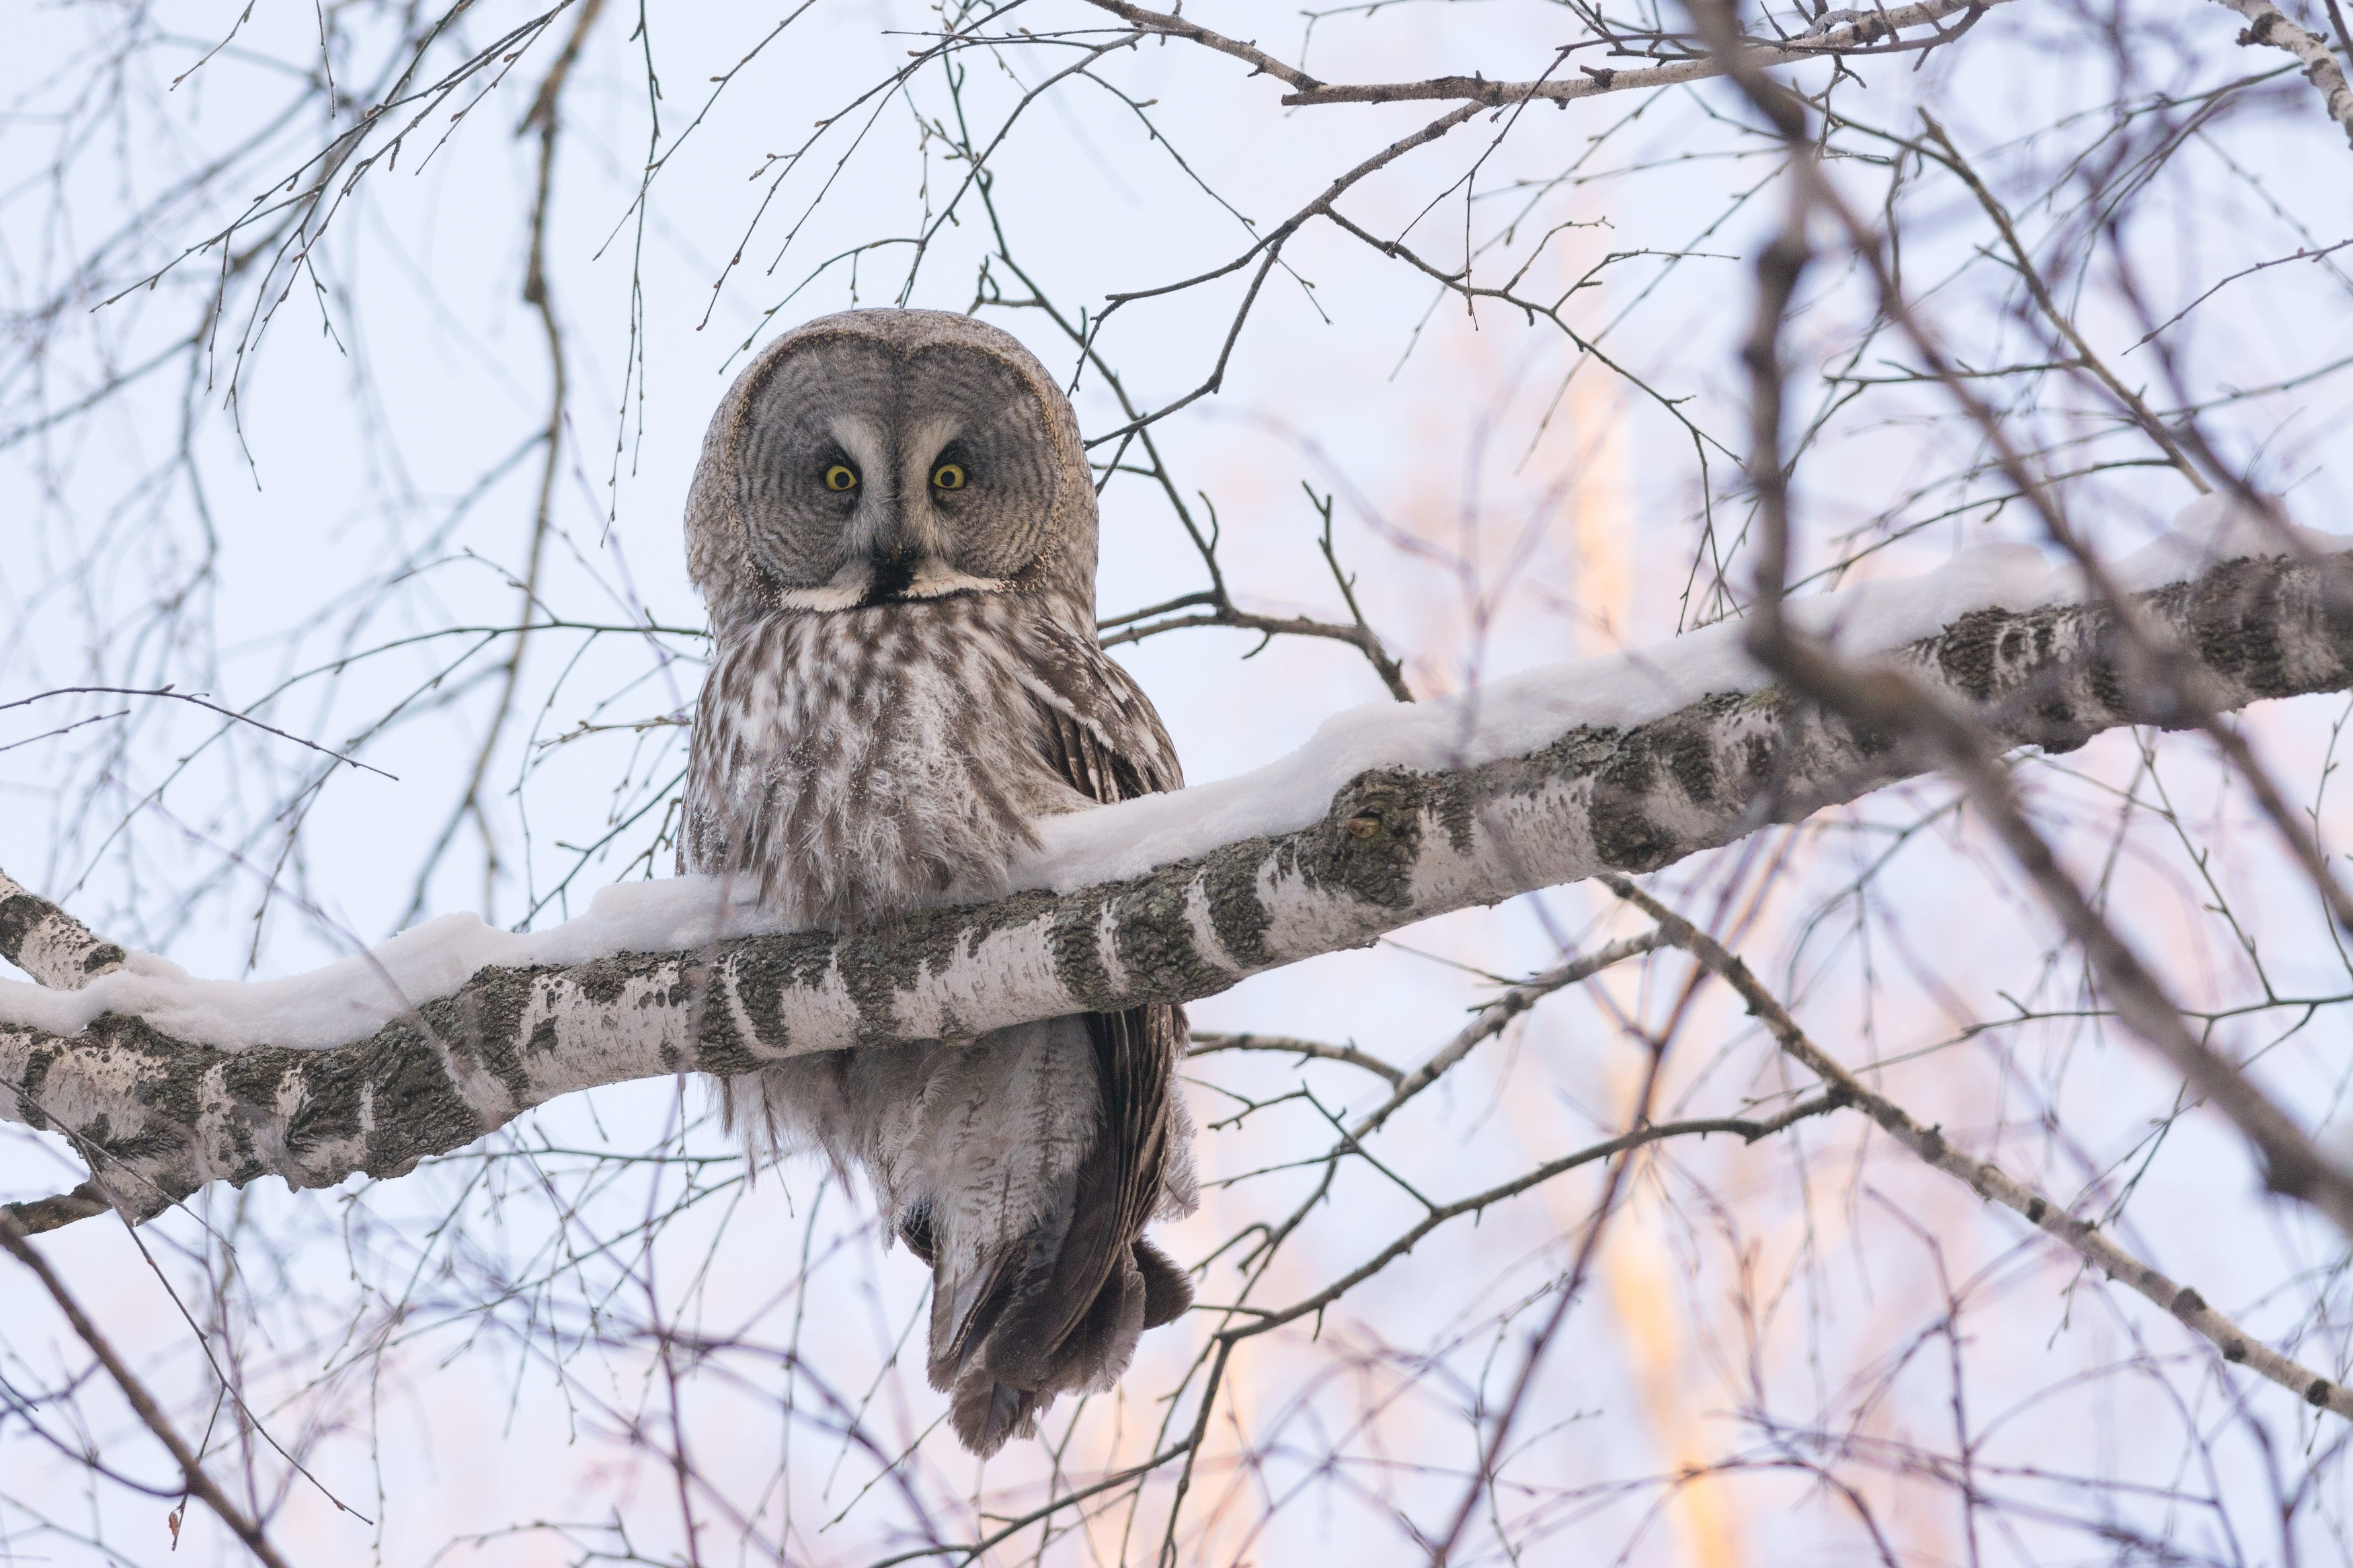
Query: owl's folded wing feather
<point x="1110" y="744"/>
<point x="1076" y="1328"/>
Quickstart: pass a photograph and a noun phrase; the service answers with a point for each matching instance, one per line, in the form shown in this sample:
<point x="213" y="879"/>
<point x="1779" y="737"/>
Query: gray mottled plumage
<point x="906" y="677"/>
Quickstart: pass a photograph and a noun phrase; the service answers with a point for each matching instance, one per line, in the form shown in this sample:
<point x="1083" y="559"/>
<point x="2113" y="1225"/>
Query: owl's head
<point x="886" y="456"/>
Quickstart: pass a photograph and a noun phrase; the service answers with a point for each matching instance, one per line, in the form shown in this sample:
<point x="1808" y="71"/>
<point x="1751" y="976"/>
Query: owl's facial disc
<point x="898" y="549"/>
<point x="868" y="476"/>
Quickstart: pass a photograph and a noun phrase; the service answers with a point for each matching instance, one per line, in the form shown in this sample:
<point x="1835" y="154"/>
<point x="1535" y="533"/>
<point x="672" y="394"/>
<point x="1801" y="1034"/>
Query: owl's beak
<point x="900" y="570"/>
<point x="894" y="572"/>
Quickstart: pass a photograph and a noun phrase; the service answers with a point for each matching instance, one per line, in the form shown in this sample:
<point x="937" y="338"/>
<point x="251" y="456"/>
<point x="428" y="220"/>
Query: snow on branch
<point x="1389" y="816"/>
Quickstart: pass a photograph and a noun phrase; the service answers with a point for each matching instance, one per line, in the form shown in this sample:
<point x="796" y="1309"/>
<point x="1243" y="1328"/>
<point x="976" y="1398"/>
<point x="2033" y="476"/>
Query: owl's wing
<point x="1106" y="741"/>
<point x="1077" y="1329"/>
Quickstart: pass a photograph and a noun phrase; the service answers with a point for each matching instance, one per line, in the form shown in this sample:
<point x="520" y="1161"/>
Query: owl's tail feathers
<point x="1017" y="1348"/>
<point x="1058" y="1306"/>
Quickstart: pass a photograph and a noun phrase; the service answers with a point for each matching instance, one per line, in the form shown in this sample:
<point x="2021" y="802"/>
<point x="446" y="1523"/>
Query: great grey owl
<point x="894" y="527"/>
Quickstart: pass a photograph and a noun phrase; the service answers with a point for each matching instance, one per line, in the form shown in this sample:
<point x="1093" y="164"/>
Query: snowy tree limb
<point x="160" y="1117"/>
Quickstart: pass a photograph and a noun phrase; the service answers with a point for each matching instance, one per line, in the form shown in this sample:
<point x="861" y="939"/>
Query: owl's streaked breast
<point x="866" y="761"/>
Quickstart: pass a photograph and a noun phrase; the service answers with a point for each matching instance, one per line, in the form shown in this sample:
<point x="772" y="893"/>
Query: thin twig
<point x="2134" y="406"/>
<point x="134" y="1392"/>
<point x="1845" y="33"/>
<point x="1493" y="1016"/>
<point x="1988" y="1180"/>
<point x="195" y="701"/>
<point x="1206" y="1045"/>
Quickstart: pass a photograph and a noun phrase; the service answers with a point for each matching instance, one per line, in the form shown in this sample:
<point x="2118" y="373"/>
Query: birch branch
<point x="2084" y="1236"/>
<point x="142" y="1403"/>
<point x="1855" y="32"/>
<point x="161" y="1117"/>
<point x="1494" y="1017"/>
<point x="1209" y="1045"/>
<point x="2268" y="24"/>
<point x="49" y="944"/>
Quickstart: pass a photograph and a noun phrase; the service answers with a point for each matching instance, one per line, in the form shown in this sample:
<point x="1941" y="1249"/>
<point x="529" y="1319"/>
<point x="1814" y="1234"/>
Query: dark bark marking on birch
<point x="1369" y="842"/>
<point x="254" y="1077"/>
<point x="1075" y="942"/>
<point x="1584" y="751"/>
<point x="1624" y="834"/>
<point x="496" y="1036"/>
<point x="19" y="915"/>
<point x="329" y="1110"/>
<point x="175" y="1101"/>
<point x="1230" y="885"/>
<point x="1690" y="758"/>
<point x="132" y="1145"/>
<point x="1975" y="650"/>
<point x="251" y="1083"/>
<point x="878" y="964"/>
<point x="871" y="971"/>
<point x="414" y="1110"/>
<point x="1459" y="798"/>
<point x="1155" y="941"/>
<point x="37" y="1073"/>
<point x="175" y="1093"/>
<point x="2105" y="684"/>
<point x="2234" y="618"/>
<point x="1006" y="914"/>
<point x="718" y="1046"/>
<point x="603" y="981"/>
<point x="764" y="970"/>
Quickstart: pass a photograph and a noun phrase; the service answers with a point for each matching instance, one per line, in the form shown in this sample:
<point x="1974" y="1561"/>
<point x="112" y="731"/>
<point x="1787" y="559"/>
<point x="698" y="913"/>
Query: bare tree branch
<point x="1208" y="1043"/>
<point x="49" y="944"/>
<point x="1494" y="1289"/>
<point x="192" y="1468"/>
<point x="1836" y="33"/>
<point x="1889" y="701"/>
<point x="1987" y="1180"/>
<point x="2268" y="24"/>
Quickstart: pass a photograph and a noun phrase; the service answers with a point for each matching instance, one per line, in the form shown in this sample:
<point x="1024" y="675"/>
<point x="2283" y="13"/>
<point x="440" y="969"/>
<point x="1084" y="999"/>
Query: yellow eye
<point x="841" y="477"/>
<point x="948" y="477"/>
